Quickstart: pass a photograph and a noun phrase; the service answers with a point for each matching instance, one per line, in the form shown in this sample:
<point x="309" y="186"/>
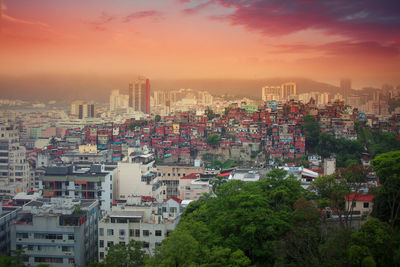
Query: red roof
<point x="149" y="199"/>
<point x="173" y="198"/>
<point x="224" y="174"/>
<point x="190" y="176"/>
<point x="358" y="197"/>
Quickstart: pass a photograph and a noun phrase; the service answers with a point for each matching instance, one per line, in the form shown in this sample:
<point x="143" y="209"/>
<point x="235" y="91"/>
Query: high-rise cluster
<point x="285" y="91"/>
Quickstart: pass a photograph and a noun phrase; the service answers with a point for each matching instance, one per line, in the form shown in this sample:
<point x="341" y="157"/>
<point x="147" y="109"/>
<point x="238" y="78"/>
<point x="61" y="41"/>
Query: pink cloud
<point x="153" y="14"/>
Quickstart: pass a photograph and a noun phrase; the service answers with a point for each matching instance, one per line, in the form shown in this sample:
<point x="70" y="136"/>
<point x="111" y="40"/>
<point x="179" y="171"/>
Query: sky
<point x="200" y="39"/>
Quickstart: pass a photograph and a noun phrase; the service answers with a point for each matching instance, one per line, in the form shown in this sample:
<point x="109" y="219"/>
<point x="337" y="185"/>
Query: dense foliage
<point x="347" y="152"/>
<point x="240" y="225"/>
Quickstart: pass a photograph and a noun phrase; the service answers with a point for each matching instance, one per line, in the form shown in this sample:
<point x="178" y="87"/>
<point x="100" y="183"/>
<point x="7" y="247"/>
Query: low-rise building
<point x="7" y="216"/>
<point x="57" y="231"/>
<point x="361" y="203"/>
<point x="85" y="183"/>
<point x="140" y="219"/>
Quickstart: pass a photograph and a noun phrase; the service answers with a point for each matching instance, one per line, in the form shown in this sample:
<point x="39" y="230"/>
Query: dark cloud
<point x="357" y="19"/>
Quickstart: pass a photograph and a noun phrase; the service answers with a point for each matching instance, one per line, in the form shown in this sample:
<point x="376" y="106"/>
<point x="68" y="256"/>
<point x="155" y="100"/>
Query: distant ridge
<point x="67" y="88"/>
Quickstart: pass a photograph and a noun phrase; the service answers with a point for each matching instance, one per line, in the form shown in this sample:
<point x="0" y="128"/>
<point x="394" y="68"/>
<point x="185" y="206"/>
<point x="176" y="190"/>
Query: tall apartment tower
<point x="14" y="168"/>
<point x="288" y="90"/>
<point x="82" y="109"/>
<point x="345" y="87"/>
<point x="139" y="95"/>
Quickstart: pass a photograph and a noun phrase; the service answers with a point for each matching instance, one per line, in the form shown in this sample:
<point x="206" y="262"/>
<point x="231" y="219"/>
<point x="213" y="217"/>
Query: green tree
<point x="179" y="249"/>
<point x="387" y="167"/>
<point x="332" y="190"/>
<point x="374" y="239"/>
<point x="312" y="130"/>
<point x="299" y="246"/>
<point x="53" y="141"/>
<point x="245" y="218"/>
<point x="131" y="126"/>
<point x="213" y="140"/>
<point x="210" y="113"/>
<point x="125" y="255"/>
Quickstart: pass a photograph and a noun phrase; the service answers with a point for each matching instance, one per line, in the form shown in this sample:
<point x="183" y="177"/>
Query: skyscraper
<point x="82" y="109"/>
<point x="139" y="95"/>
<point x="345" y="87"/>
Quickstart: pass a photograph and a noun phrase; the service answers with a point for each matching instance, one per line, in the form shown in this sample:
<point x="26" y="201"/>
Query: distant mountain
<point x="97" y="88"/>
<point x="243" y="87"/>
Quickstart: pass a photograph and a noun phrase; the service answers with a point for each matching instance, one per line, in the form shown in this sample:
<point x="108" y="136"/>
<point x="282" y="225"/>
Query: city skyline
<point x="178" y="39"/>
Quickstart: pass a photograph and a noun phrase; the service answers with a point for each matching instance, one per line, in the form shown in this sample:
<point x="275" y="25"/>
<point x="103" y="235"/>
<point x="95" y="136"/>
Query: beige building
<point x="361" y="203"/>
<point x="167" y="182"/>
<point x="285" y="91"/>
<point x="191" y="187"/>
<point x="134" y="177"/>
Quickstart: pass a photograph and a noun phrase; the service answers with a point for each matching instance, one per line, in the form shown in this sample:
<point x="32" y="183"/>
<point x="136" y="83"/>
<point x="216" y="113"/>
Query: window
<point x="101" y="231"/>
<point x="101" y="243"/>
<point x="30" y="247"/>
<point x="110" y="232"/>
<point x="158" y="233"/>
<point x="157" y="244"/>
<point x="110" y="243"/>
<point x="22" y="235"/>
<point x="146" y="233"/>
<point x="137" y="232"/>
<point x="122" y="232"/>
<point x="122" y="243"/>
<point x="101" y="255"/>
<point x="146" y="244"/>
<point x="366" y="205"/>
<point x="65" y="248"/>
<point x="48" y="259"/>
<point x="71" y="237"/>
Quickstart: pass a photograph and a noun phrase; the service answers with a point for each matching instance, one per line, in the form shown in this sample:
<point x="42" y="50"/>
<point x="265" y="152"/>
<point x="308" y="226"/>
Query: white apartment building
<point x="138" y="220"/>
<point x="14" y="168"/>
<point x="84" y="183"/>
<point x="135" y="175"/>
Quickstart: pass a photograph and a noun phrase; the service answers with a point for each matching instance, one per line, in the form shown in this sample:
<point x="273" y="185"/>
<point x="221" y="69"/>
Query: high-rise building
<point x="82" y="109"/>
<point x="345" y="87"/>
<point x="118" y="101"/>
<point x="288" y="90"/>
<point x="139" y="95"/>
<point x="285" y="91"/>
<point x="14" y="168"/>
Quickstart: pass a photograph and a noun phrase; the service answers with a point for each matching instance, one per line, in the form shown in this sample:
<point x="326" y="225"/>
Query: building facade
<point x="58" y="232"/>
<point x="84" y="183"/>
<point x="139" y="95"/>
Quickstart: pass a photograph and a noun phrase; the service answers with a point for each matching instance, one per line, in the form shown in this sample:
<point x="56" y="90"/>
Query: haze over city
<point x="199" y="133"/>
<point x="84" y="41"/>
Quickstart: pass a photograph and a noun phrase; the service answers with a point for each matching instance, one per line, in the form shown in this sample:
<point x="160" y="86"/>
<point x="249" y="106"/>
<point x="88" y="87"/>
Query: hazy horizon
<point x="200" y="39"/>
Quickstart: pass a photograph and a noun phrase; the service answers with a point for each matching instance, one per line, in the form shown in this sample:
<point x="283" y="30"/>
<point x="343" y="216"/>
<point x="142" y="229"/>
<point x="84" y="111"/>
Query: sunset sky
<point x="322" y="40"/>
